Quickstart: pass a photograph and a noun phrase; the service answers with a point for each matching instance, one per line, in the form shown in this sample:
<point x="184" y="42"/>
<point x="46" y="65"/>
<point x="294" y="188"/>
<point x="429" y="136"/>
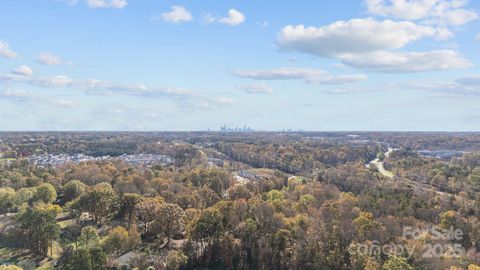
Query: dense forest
<point x="240" y="201"/>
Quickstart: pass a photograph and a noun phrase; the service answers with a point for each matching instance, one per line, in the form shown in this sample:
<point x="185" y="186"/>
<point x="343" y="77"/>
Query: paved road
<point x="379" y="164"/>
<point x="419" y="187"/>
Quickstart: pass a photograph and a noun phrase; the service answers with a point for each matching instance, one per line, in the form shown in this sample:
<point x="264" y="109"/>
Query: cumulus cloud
<point x="24" y="74"/>
<point x="463" y="87"/>
<point x="49" y="59"/>
<point x="99" y="87"/>
<point x="27" y="96"/>
<point x="372" y="45"/>
<point x="393" y="62"/>
<point x="177" y="14"/>
<point x="96" y="87"/>
<point x="442" y="12"/>
<point x="52" y="81"/>
<point x="472" y="80"/>
<point x="256" y="88"/>
<point x="107" y="3"/>
<point x="5" y="50"/>
<point x="234" y="18"/>
<point x="222" y="100"/>
<point x="19" y="95"/>
<point x="64" y="103"/>
<point x="354" y="37"/>
<point x="185" y="97"/>
<point x="23" y="70"/>
<point x="316" y="76"/>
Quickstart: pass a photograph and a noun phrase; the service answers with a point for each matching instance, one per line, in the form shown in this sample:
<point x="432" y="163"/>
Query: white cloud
<point x="177" y="14"/>
<point x="49" y="59"/>
<point x="316" y="76"/>
<point x="98" y="87"/>
<point x="208" y="103"/>
<point x="25" y="96"/>
<point x="448" y="89"/>
<point x="442" y="12"/>
<point x="443" y="34"/>
<point x="23" y="70"/>
<point x="52" y="81"/>
<point x="64" y="103"/>
<point x="371" y="44"/>
<point x="71" y="2"/>
<point x="349" y="90"/>
<point x="472" y="80"/>
<point x="16" y="94"/>
<point x="234" y="18"/>
<point x="256" y="88"/>
<point x="393" y="62"/>
<point x="107" y="3"/>
<point x="184" y="97"/>
<point x="47" y="81"/>
<point x="477" y="37"/>
<point x="222" y="101"/>
<point x="354" y="37"/>
<point x="5" y="50"/>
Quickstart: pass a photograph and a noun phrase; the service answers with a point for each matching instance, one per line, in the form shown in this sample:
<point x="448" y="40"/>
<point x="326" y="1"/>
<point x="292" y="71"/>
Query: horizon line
<point x="254" y="131"/>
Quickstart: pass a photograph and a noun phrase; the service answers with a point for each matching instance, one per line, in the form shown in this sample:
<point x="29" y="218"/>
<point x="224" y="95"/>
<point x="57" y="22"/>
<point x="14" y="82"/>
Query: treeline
<point x="191" y="215"/>
<point x="458" y="176"/>
<point x="298" y="157"/>
<point x="201" y="217"/>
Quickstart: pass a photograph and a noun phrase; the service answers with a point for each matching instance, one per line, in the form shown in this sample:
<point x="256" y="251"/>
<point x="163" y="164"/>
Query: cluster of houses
<point x="243" y="176"/>
<point x="442" y="154"/>
<point x="138" y="159"/>
<point x="55" y="160"/>
<point x="147" y="159"/>
<point x="215" y="162"/>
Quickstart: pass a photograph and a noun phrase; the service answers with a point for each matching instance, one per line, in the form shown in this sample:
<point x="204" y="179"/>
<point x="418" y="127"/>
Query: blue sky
<point x="196" y="65"/>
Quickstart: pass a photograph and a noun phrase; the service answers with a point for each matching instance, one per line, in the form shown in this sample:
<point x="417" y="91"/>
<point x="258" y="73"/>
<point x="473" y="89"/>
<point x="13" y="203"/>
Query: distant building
<point x="225" y="128"/>
<point x="250" y="175"/>
<point x="215" y="162"/>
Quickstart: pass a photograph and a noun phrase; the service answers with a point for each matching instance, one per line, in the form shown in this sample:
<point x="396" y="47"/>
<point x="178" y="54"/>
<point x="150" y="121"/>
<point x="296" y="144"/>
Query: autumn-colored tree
<point x="116" y="241"/>
<point x="365" y="224"/>
<point x="100" y="201"/>
<point x="208" y="227"/>
<point x="89" y="238"/>
<point x="127" y="208"/>
<point x="147" y="212"/>
<point x="8" y="200"/>
<point x="170" y="220"/>
<point x="176" y="259"/>
<point x="39" y="229"/>
<point x="46" y="193"/>
<point x="396" y="263"/>
<point x="73" y="190"/>
<point x="72" y="233"/>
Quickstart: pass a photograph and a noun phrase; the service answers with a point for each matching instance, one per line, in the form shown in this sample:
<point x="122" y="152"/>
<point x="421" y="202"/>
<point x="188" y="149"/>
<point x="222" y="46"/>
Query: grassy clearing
<point x="29" y="261"/>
